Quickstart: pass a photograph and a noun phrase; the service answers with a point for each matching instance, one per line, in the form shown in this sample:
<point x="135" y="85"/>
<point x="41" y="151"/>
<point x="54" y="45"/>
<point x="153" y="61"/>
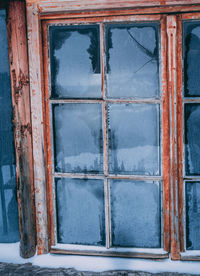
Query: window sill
<point x="190" y="255"/>
<point x="147" y="253"/>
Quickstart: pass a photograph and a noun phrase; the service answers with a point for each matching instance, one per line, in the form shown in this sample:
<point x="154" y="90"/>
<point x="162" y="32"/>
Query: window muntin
<point x="128" y="105"/>
<point x="9" y="221"/>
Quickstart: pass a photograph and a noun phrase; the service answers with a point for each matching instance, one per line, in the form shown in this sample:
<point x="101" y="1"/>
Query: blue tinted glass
<point x="135" y="211"/>
<point x="192" y="193"/>
<point x="78" y="138"/>
<point x="80" y="211"/>
<point x="9" y="229"/>
<point x="134" y="143"/>
<point x="75" y="61"/>
<point x="9" y="222"/>
<point x="191" y="59"/>
<point x="132" y="60"/>
<point x="192" y="139"/>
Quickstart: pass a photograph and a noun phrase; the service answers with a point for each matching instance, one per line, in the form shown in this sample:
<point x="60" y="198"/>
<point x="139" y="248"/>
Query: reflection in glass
<point x="134" y="139"/>
<point x="80" y="211"/>
<point x="78" y="138"/>
<point x="9" y="221"/>
<point x="192" y="215"/>
<point x="135" y="212"/>
<point x="132" y="60"/>
<point x="191" y="58"/>
<point x="75" y="61"/>
<point x="192" y="139"/>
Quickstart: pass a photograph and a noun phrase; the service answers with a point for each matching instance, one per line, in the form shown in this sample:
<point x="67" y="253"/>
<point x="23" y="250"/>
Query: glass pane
<point x="78" y="138"/>
<point x="9" y="221"/>
<point x="8" y="176"/>
<point x="132" y="60"/>
<point x="192" y="139"/>
<point x="80" y="211"/>
<point x="192" y="215"/>
<point x="134" y="139"/>
<point x="75" y="61"/>
<point x="191" y="59"/>
<point x="9" y="229"/>
<point x="135" y="211"/>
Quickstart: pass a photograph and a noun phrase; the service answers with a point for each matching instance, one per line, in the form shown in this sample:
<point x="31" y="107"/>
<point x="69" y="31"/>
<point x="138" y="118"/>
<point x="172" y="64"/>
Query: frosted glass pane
<point x="134" y="146"/>
<point x="75" y="61"/>
<point x="9" y="221"/>
<point x="132" y="60"/>
<point x="78" y="138"/>
<point x="135" y="211"/>
<point x="192" y="139"/>
<point x="193" y="215"/>
<point x="80" y="211"/>
<point x="191" y="59"/>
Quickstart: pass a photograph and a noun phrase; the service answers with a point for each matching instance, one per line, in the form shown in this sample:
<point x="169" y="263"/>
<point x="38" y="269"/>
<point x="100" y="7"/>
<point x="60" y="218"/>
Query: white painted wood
<point x="34" y="33"/>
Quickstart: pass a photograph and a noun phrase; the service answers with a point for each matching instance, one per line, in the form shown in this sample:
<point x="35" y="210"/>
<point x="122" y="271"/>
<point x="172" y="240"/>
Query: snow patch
<point x="9" y="253"/>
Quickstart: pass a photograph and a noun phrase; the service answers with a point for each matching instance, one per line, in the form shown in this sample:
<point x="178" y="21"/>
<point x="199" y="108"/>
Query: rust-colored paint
<point x="165" y="137"/>
<point x="172" y="76"/>
<point x="180" y="134"/>
<point x="64" y="12"/>
<point x="18" y="56"/>
<point x="67" y="12"/>
<point x="78" y="5"/>
<point x="99" y="19"/>
<point x="165" y="116"/>
<point x="47" y="135"/>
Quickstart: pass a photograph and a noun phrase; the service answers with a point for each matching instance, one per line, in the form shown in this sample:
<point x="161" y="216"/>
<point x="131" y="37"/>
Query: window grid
<point x="106" y="175"/>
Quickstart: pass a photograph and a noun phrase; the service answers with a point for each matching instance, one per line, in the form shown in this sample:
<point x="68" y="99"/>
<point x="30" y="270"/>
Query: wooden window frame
<point x="152" y="253"/>
<point x="181" y="101"/>
<point x="39" y="12"/>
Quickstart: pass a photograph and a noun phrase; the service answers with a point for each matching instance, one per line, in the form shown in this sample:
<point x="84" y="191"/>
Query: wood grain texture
<point x="35" y="71"/>
<point x="165" y="137"/>
<point x="97" y="4"/>
<point x="18" y="57"/>
<point x="172" y="86"/>
<point x="127" y="254"/>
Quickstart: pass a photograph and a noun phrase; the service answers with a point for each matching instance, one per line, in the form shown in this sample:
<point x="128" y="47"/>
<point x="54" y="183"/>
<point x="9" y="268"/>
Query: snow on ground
<point x="10" y="253"/>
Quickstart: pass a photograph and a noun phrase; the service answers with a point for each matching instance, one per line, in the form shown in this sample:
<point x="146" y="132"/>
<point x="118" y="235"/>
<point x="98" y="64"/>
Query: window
<point x="191" y="109"/>
<point x="9" y="222"/>
<point x="105" y="113"/>
<point x="114" y="102"/>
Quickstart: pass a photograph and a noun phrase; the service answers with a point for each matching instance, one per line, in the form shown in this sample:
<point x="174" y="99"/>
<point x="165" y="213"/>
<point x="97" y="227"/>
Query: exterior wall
<point x="27" y="78"/>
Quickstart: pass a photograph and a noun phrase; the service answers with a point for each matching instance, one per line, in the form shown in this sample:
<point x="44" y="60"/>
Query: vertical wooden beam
<point x="18" y="57"/>
<point x="165" y="137"/>
<point x="36" y="87"/>
<point x="180" y="132"/>
<point x="172" y="89"/>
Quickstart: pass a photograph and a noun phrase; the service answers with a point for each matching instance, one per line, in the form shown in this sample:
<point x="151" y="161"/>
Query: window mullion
<point x="172" y="87"/>
<point x="105" y="139"/>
